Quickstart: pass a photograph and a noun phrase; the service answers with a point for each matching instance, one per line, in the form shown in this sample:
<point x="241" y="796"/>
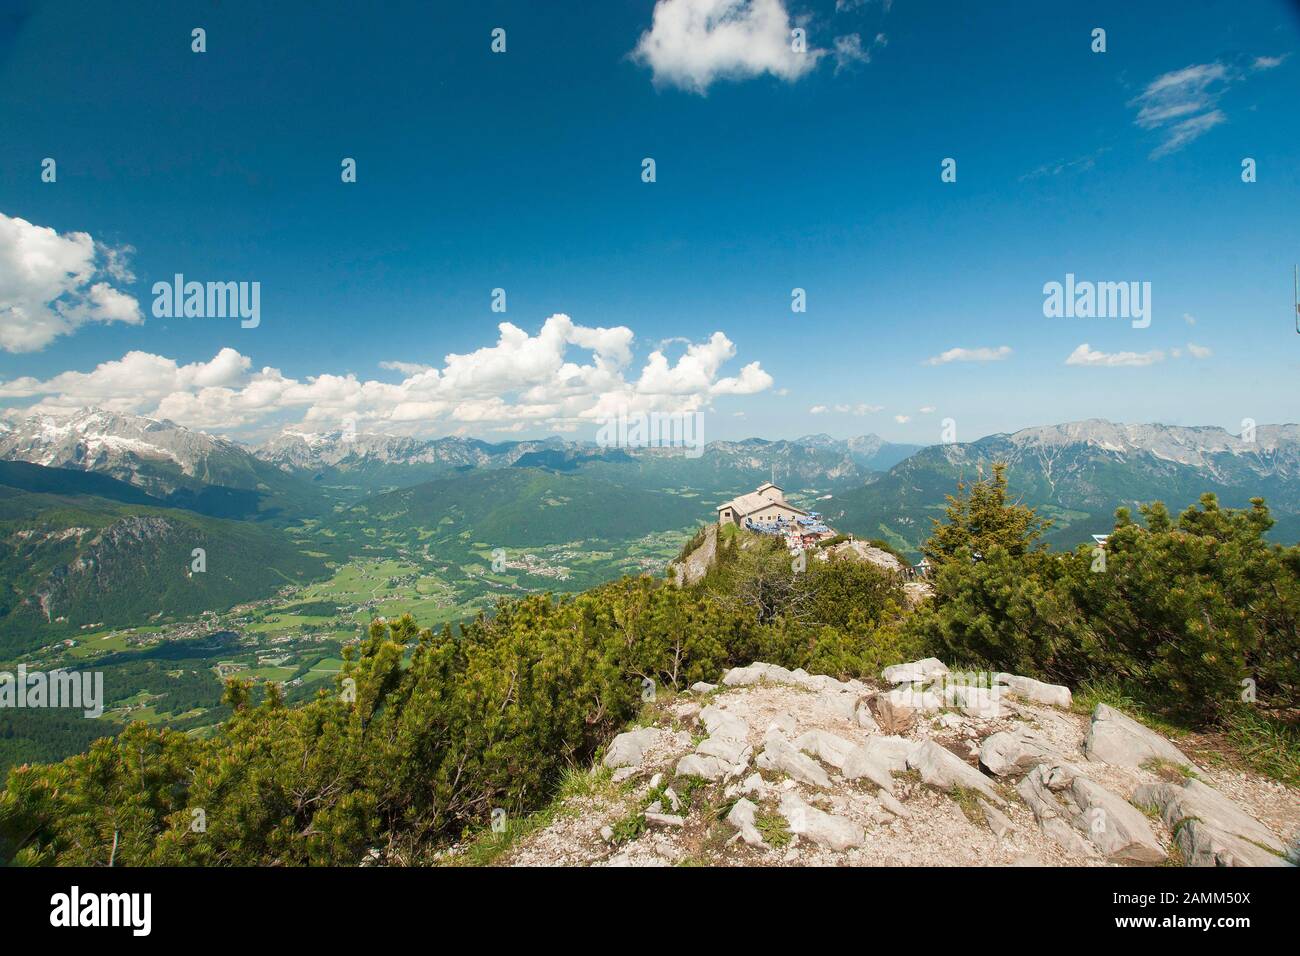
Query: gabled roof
<point x="749" y="503"/>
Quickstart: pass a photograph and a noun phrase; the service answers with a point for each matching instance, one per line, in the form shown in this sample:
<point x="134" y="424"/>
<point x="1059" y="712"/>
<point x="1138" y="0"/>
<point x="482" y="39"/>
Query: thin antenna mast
<point x="1297" y="298"/>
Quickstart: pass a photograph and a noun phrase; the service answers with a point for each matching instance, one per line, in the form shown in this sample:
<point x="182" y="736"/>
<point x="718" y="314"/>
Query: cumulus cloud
<point x="51" y="284"/>
<point x="969" y="355"/>
<point x="692" y="43"/>
<point x="1199" y="351"/>
<point x="406" y="368"/>
<point x="1085" y="355"/>
<point x="521" y="380"/>
<point x="902" y="419"/>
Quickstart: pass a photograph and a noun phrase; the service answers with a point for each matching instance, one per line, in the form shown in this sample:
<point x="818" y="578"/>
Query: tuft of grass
<point x="774" y="829"/>
<point x="1168" y="770"/>
<point x="1269" y="746"/>
<point x="969" y="801"/>
<point x="488" y="846"/>
<point x="485" y="847"/>
<point x="1115" y="694"/>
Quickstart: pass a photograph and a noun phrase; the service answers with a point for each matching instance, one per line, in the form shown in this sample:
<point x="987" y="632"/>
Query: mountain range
<point x="100" y="511"/>
<point x="1078" y="473"/>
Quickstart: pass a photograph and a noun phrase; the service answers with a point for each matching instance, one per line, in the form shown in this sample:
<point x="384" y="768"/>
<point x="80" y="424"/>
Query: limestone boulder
<point x="915" y="672"/>
<point x="942" y="768"/>
<point x="1056" y="695"/>
<point x="824" y="829"/>
<point x="1180" y="803"/>
<point x="1012" y="752"/>
<point x="628" y="749"/>
<point x="1118" y="739"/>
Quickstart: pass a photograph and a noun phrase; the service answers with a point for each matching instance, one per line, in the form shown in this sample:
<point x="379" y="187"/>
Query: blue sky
<point x="522" y="171"/>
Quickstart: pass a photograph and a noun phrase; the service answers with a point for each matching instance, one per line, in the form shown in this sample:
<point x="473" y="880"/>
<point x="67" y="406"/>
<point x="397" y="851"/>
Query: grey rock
<point x="1102" y="822"/>
<point x="1194" y="800"/>
<point x="1120" y="740"/>
<point x="864" y="763"/>
<point x="1057" y="695"/>
<point x="892" y="804"/>
<point x="914" y="672"/>
<point x="727" y="749"/>
<point x="628" y="749"/>
<point x="784" y="723"/>
<point x="866" y="719"/>
<point x="779" y="754"/>
<point x="1203" y="844"/>
<point x="723" y="724"/>
<point x="705" y="767"/>
<point x="756" y="673"/>
<point x="824" y="829"/>
<point x="1036" y="789"/>
<point x="742" y="817"/>
<point x="825" y="746"/>
<point x="836" y="703"/>
<point x="998" y="821"/>
<point x="941" y="768"/>
<point x="702" y="687"/>
<point x="1114" y="826"/>
<point x="1016" y="751"/>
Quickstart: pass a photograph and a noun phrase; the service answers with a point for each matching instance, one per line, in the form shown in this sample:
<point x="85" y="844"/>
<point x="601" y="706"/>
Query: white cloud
<point x="849" y="50"/>
<point x="969" y="355"/>
<point x="1199" y="351"/>
<point x="1180" y="134"/>
<point x="1085" y="355"/>
<point x="1183" y="104"/>
<point x="406" y="368"/>
<point x="692" y="43"/>
<point x="860" y="409"/>
<point x="48" y="284"/>
<point x="902" y="419"/>
<point x="522" y="378"/>
<point x="1268" y="62"/>
<point x="927" y="409"/>
<point x="843" y="6"/>
<point x="1189" y="318"/>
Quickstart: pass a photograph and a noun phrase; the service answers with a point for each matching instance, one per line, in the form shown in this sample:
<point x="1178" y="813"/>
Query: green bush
<point x="1196" y="612"/>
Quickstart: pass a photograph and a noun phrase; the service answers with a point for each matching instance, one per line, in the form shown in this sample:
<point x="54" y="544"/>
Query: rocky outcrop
<point x="824" y="829"/>
<point x="915" y="672"/>
<point x="1054" y="694"/>
<point x="1011" y="752"/>
<point x="781" y="755"/>
<point x="943" y="769"/>
<point x="1211" y="829"/>
<point x="1085" y="817"/>
<point x="1121" y="740"/>
<point x="773" y="744"/>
